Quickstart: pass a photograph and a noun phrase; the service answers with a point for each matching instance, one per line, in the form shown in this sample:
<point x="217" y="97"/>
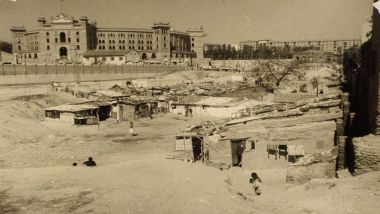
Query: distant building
<point x="64" y="39"/>
<point x="315" y="56"/>
<point x="6" y="58"/>
<point x="324" y="45"/>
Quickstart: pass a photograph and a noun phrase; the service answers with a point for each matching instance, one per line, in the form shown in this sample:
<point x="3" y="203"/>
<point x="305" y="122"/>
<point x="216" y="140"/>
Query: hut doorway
<point x="237" y="150"/>
<point x="197" y="148"/>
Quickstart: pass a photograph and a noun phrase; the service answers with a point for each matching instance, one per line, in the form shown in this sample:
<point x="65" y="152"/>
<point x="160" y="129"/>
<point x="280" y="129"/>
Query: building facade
<point x="315" y="56"/>
<point x="66" y="40"/>
<point x="324" y="45"/>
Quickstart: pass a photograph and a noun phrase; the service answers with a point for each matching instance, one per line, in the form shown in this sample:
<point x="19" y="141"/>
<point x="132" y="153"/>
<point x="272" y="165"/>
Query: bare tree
<point x="271" y="73"/>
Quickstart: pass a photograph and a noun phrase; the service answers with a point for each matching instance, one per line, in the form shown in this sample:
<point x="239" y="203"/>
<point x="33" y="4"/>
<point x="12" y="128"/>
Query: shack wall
<point x="220" y="152"/>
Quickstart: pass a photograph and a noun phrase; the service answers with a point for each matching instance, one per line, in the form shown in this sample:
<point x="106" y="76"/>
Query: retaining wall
<point x="34" y="74"/>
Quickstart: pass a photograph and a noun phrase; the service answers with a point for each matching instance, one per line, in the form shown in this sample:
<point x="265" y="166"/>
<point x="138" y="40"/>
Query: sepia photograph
<point x="189" y="106"/>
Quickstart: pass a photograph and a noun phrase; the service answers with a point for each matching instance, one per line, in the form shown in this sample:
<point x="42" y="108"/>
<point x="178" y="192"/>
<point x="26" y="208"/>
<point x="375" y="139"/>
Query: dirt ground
<point x="136" y="175"/>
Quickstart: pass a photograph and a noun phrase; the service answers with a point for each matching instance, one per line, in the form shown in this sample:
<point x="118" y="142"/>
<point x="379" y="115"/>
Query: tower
<point x="197" y="42"/>
<point x="161" y="41"/>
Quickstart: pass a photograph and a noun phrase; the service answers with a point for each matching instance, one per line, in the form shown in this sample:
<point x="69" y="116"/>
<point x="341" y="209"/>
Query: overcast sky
<point x="225" y="21"/>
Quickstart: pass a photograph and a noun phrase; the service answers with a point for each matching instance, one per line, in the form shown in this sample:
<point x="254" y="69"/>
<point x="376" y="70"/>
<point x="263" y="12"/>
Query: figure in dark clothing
<point x="90" y="162"/>
<point x="256" y="183"/>
<point x="239" y="153"/>
<point x="190" y="112"/>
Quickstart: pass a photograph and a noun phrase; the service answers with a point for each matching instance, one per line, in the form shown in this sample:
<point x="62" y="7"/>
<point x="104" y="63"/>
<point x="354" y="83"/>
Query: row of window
<point x="62" y="40"/>
<point x="47" y="33"/>
<point x="48" y="47"/>
<point x="103" y="47"/>
<point x="163" y="31"/>
<point x="123" y="41"/>
<point x="30" y="56"/>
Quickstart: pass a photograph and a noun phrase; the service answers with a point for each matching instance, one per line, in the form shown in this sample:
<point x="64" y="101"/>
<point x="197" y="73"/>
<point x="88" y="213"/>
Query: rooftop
<point x="72" y="108"/>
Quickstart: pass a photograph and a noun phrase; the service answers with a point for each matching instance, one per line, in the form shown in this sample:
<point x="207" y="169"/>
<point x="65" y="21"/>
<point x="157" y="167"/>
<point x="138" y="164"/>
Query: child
<point x="131" y="130"/>
<point x="256" y="182"/>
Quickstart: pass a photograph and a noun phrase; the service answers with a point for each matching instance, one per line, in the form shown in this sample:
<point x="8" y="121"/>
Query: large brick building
<point x="64" y="39"/>
<point x="324" y="45"/>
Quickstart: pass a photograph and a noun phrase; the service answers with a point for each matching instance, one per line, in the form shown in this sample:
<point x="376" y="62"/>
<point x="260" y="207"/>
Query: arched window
<point x="47" y="33"/>
<point x="62" y="37"/>
<point x="77" y="39"/>
<point x="48" y="47"/>
<point x="78" y="47"/>
<point x="19" y="48"/>
<point x="30" y="56"/>
<point x="56" y="40"/>
<point x="35" y="56"/>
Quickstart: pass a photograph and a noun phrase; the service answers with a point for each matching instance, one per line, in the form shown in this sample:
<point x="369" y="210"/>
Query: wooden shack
<point x="130" y="109"/>
<point x="225" y="150"/>
<point x="188" y="146"/>
<point x="77" y="114"/>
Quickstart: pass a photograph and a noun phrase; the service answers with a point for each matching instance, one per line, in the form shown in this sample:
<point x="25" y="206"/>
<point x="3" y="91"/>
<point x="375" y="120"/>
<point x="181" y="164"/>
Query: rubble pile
<point x="320" y="165"/>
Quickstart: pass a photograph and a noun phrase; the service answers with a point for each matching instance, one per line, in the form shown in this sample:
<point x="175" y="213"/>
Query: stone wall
<point x="34" y="74"/>
<point x="291" y="97"/>
<point x="367" y="154"/>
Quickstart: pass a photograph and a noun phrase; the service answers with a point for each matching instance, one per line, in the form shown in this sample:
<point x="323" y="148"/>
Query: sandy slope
<point x="134" y="175"/>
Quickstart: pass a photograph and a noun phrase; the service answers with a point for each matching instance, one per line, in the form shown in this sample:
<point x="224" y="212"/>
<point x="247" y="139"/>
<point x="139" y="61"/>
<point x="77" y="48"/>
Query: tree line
<point x="6" y="46"/>
<point x="227" y="51"/>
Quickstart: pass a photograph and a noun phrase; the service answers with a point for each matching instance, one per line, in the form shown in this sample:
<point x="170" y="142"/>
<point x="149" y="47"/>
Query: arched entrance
<point x="63" y="52"/>
<point x="144" y="56"/>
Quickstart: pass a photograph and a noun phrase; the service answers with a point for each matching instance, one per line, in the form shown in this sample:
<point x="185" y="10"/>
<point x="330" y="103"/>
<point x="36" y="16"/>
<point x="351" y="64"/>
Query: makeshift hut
<point x="130" y="109"/>
<point x="227" y="151"/>
<point x="105" y="108"/>
<point x="212" y="106"/>
<point x="108" y="94"/>
<point x="188" y="146"/>
<point x="78" y="114"/>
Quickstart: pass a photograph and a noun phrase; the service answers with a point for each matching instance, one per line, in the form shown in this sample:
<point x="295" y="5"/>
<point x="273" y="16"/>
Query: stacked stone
<point x="367" y="154"/>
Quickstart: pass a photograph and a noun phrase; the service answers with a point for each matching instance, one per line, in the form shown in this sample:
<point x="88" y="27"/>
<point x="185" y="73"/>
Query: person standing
<point x="131" y="129"/>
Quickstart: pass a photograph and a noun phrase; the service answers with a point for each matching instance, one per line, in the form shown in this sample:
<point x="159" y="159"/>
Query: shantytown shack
<point x="77" y="114"/>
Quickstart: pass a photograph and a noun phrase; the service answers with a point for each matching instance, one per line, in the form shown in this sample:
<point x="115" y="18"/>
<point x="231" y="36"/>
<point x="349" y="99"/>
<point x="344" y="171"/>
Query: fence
<point x="24" y="74"/>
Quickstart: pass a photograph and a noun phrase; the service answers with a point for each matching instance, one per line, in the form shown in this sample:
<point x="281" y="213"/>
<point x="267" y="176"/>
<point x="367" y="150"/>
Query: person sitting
<point x="90" y="162"/>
